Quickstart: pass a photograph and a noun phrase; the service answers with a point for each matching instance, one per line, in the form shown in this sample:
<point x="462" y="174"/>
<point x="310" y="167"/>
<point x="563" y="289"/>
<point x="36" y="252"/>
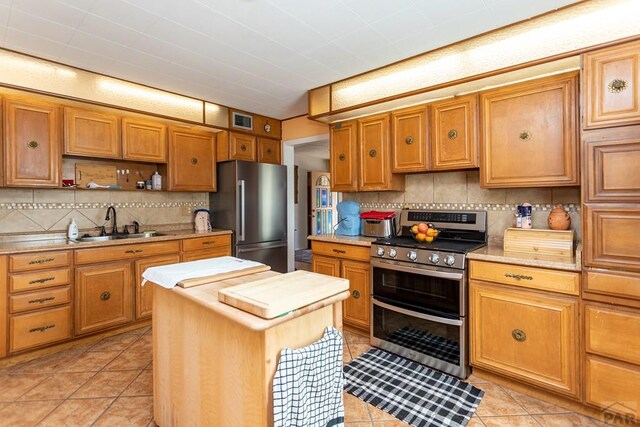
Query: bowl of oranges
<point x="424" y="233"/>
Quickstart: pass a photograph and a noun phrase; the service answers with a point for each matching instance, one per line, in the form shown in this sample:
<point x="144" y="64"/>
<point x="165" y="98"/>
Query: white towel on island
<point x="307" y="386"/>
<point x="168" y="276"/>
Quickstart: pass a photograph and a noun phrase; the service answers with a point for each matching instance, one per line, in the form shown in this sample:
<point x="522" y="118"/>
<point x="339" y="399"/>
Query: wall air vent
<point x="242" y="121"/>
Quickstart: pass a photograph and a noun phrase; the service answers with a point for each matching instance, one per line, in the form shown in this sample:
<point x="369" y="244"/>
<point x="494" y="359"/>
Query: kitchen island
<point x="213" y="364"/>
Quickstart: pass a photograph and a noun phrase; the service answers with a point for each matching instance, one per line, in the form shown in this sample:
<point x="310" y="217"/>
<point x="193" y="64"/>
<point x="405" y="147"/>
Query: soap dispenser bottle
<point x="156" y="180"/>
<point x="72" y="233"/>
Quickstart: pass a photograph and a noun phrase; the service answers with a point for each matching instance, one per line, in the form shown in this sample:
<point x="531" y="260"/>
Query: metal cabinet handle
<point x="409" y="140"/>
<point x="43" y="280"/>
<point x="452" y="134"/>
<point x="194" y="161"/>
<point x="133" y="251"/>
<point x="341" y="157"/>
<point x="339" y="251"/>
<point x="372" y="153"/>
<point x="268" y="150"/>
<point x="41" y="300"/>
<point x="243" y="147"/>
<point x="42" y="328"/>
<point x="525" y="135"/>
<point x="209" y="242"/>
<point x="40" y="261"/>
<point x="356" y="294"/>
<point x="617" y="85"/>
<point x="518" y="335"/>
<point x="518" y="276"/>
<point x="105" y="296"/>
<point x="32" y="144"/>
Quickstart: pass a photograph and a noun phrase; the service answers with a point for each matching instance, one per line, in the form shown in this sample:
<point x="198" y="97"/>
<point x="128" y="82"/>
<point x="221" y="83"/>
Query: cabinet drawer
<point x="113" y="253"/>
<point x="357" y="253"/>
<point x="611" y="237"/>
<point x="39" y="328"/>
<point x="210" y="253"/>
<point x="612" y="385"/>
<point x="206" y="243"/>
<point x="610" y="283"/>
<point x="39" y="280"/>
<point x="40" y="299"/>
<point x="37" y="261"/>
<point x="612" y="332"/>
<point x="565" y="282"/>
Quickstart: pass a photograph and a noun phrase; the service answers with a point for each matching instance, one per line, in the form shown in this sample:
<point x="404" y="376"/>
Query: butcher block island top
<point x="213" y="364"/>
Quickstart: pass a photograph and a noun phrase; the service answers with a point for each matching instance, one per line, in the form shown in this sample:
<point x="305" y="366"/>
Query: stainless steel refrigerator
<point x="252" y="201"/>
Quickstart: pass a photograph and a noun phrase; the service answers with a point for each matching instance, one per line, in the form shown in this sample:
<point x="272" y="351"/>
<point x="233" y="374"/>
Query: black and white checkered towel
<point x="307" y="386"/>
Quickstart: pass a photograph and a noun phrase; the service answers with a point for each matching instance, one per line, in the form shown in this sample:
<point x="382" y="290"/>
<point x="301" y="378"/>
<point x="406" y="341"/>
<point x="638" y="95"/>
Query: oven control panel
<point x="419" y="256"/>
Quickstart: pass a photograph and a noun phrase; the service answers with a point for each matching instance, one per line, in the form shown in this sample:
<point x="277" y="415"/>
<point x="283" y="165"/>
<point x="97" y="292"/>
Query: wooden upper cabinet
<point x="269" y="151"/>
<point x="32" y="144"/>
<point x="611" y="87"/>
<point x="409" y="140"/>
<point x="454" y="133"/>
<point x="144" y="141"/>
<point x="529" y="134"/>
<point x="374" y="156"/>
<point x="242" y="147"/>
<point x="192" y="163"/>
<point x="343" y="162"/>
<point x="91" y="133"/>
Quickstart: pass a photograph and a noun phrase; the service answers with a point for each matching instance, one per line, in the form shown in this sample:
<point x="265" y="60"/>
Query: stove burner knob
<point x="434" y="258"/>
<point x="449" y="260"/>
<point x="412" y="255"/>
<point x="393" y="253"/>
<point x="380" y="252"/>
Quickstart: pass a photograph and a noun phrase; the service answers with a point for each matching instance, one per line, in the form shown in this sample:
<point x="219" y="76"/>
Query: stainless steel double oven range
<point x="420" y="290"/>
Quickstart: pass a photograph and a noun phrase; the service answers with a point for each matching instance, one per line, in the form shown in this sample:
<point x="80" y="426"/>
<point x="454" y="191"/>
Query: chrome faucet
<point x="114" y="223"/>
<point x="136" y="227"/>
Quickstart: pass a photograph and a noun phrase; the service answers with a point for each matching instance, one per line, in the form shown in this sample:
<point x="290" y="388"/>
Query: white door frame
<point x="288" y="160"/>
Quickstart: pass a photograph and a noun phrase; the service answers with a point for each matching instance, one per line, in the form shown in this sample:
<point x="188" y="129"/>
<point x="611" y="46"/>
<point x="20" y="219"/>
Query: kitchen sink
<point x="140" y="235"/>
<point x="97" y="238"/>
<point x="118" y="237"/>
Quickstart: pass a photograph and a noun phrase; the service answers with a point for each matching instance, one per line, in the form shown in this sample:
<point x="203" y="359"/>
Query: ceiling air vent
<point x="242" y="121"/>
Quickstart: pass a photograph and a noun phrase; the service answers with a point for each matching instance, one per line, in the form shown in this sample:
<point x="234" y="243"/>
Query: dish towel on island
<point x="307" y="387"/>
<point x="168" y="276"/>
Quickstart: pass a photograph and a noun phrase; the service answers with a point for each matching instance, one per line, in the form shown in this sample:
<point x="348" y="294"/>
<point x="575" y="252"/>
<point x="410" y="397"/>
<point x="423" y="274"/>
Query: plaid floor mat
<point x="427" y="343"/>
<point x="410" y="391"/>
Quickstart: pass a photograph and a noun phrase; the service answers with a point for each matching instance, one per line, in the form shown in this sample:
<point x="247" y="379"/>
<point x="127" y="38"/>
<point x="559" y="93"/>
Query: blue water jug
<point x="348" y="218"/>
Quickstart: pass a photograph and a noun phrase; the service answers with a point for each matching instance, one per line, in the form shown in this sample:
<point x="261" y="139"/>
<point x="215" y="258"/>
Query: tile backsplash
<point x="461" y="190"/>
<point x="39" y="210"/>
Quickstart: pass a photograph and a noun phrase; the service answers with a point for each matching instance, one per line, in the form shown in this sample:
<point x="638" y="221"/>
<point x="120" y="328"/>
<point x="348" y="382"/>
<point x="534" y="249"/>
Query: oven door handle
<point x="420" y="271"/>
<point x="452" y="322"/>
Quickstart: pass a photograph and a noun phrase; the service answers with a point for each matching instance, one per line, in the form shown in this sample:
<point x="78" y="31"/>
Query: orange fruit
<point x="414" y="229"/>
<point x="421" y="237"/>
<point x="422" y="227"/>
<point x="428" y="239"/>
<point x="432" y="232"/>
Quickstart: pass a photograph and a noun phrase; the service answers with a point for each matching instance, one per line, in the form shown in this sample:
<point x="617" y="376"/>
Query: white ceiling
<point x="256" y="55"/>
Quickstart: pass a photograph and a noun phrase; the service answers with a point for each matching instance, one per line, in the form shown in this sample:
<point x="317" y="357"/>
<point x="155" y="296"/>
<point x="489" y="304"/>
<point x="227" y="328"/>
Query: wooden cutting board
<point x="277" y="296"/>
<point x="100" y="174"/>
<point x="222" y="276"/>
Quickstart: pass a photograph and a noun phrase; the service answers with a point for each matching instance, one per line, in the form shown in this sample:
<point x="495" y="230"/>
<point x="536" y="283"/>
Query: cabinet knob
<point x="617" y="85"/>
<point x="32" y="144"/>
<point x="356" y="294"/>
<point x="409" y="140"/>
<point x="194" y="161"/>
<point x="268" y="150"/>
<point x="341" y="157"/>
<point x="518" y="335"/>
<point x="243" y="147"/>
<point x="105" y="295"/>
<point x="372" y="153"/>
<point x="525" y="135"/>
<point x="452" y="134"/>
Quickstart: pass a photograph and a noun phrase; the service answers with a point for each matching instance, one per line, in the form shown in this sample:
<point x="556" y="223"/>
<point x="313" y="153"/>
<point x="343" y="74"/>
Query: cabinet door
<point x="144" y="294"/>
<point x="613" y="386"/>
<point x="611" y="158"/>
<point x="269" y="151"/>
<point x="144" y="141"/>
<point x="103" y="296"/>
<point x="374" y="156"/>
<point x="357" y="308"/>
<point x="611" y="91"/>
<point x="192" y="163"/>
<point x="242" y="147"/>
<point x="529" y="134"/>
<point x="91" y="133"/>
<point x="526" y="335"/>
<point x="343" y="155"/>
<point x="325" y="265"/>
<point x="454" y="140"/>
<point x="32" y="139"/>
<point x="409" y="140"/>
<point x="612" y="233"/>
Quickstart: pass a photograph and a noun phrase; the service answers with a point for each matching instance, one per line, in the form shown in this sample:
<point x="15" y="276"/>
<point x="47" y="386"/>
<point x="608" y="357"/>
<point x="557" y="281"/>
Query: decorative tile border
<point x="571" y="207"/>
<point x="101" y="205"/>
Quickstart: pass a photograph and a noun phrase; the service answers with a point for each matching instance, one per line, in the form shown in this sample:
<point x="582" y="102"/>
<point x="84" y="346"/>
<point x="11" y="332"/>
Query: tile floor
<point x="109" y="383"/>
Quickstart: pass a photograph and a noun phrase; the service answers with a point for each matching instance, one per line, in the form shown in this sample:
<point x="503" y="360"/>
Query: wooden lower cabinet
<point x="38" y="328"/>
<point x="349" y="263"/>
<point x="103" y="296"/>
<point x="612" y="386"/>
<point x="144" y="294"/>
<point x="526" y="335"/>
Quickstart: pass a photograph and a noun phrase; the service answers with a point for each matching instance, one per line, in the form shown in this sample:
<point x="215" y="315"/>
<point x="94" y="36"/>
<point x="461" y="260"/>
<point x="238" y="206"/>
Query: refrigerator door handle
<point x="240" y="210"/>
